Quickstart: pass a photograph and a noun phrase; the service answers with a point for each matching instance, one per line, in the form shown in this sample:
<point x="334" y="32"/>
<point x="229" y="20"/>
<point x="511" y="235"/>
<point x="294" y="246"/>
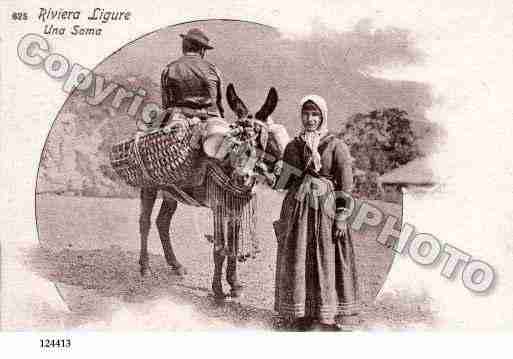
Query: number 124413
<point x="55" y="343"/>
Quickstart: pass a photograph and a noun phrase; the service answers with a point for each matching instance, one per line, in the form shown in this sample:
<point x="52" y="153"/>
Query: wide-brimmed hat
<point x="197" y="36"/>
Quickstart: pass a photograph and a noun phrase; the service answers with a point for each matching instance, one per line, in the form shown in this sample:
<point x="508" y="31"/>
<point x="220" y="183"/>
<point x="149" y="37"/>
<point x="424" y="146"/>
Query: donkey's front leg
<point x="148" y="197"/>
<point x="218" y="252"/>
<point x="231" y="267"/>
<point x="232" y="279"/>
<point x="217" y="285"/>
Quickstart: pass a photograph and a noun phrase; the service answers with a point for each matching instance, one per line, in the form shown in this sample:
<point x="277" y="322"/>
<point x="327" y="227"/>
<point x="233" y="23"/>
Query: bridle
<point x="252" y="146"/>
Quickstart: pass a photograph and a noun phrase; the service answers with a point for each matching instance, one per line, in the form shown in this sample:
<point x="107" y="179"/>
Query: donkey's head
<point x="264" y="141"/>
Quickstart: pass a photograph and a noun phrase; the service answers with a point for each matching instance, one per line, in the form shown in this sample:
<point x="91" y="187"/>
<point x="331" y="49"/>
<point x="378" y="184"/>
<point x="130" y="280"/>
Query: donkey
<point x="272" y="151"/>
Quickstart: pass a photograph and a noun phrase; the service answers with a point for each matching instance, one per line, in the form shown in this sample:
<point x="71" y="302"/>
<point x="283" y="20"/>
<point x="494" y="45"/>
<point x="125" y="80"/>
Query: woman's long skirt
<point x="315" y="273"/>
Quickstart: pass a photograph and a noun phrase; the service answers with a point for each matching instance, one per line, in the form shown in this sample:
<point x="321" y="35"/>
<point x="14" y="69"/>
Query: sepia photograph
<point x="233" y="187"/>
<point x="256" y="179"/>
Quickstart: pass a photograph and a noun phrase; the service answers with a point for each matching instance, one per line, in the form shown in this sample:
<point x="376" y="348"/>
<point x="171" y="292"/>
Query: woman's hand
<point x="340" y="228"/>
<point x="263" y="170"/>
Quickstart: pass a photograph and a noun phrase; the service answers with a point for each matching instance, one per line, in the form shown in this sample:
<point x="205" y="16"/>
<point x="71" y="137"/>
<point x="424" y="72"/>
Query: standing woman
<point x="315" y="270"/>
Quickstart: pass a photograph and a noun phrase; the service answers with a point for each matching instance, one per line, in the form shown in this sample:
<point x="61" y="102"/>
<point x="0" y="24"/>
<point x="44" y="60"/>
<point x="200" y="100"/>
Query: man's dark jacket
<point x="194" y="83"/>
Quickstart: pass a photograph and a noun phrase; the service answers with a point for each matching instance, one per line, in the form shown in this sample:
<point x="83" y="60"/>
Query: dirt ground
<point x="90" y="250"/>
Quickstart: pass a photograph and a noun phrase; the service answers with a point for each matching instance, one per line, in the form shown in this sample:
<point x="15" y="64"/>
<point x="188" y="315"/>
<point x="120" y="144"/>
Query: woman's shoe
<point x="350" y="322"/>
<point x="325" y="327"/>
<point x="302" y="324"/>
<point x="295" y="325"/>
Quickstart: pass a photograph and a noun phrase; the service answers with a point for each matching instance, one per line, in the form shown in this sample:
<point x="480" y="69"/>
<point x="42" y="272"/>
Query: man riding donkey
<point x="192" y="104"/>
<point x="191" y="85"/>
<point x="191" y="91"/>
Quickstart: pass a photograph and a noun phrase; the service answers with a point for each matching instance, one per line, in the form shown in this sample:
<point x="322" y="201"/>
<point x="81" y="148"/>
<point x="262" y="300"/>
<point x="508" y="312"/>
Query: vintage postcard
<point x="339" y="167"/>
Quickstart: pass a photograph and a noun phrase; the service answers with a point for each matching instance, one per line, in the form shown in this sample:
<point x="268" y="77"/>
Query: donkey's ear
<point x="270" y="104"/>
<point x="235" y="102"/>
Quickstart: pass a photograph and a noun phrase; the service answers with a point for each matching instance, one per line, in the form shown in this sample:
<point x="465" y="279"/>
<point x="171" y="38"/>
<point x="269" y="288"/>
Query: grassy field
<point x="90" y="249"/>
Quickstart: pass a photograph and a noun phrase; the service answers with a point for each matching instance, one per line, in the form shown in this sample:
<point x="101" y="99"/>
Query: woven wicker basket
<point x="162" y="157"/>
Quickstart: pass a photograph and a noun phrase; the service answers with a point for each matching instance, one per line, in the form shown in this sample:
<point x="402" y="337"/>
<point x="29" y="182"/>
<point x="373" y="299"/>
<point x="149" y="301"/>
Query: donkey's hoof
<point x="221" y="298"/>
<point x="143" y="267"/>
<point x="179" y="270"/>
<point x="217" y="292"/>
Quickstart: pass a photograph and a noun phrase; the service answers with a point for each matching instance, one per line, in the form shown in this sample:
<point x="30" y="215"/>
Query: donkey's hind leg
<point x="167" y="210"/>
<point x="148" y="197"/>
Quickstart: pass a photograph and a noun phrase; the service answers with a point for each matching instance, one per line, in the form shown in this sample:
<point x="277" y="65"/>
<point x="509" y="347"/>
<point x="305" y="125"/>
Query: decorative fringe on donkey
<point x="234" y="212"/>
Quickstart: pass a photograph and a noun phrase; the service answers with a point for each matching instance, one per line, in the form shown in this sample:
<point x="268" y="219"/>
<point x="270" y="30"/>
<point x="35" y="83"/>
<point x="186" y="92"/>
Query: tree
<point x="379" y="142"/>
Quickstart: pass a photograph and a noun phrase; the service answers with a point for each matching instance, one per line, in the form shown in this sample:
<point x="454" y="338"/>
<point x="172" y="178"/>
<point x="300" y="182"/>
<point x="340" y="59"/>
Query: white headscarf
<point x="313" y="138"/>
